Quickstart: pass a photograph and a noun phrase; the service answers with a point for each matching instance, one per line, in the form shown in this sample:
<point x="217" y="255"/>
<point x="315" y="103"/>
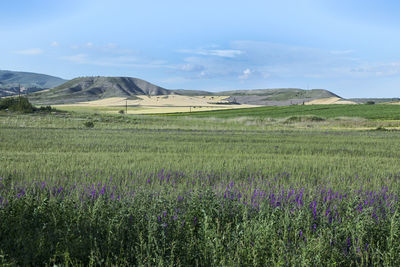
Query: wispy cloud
<point x="188" y="67"/>
<point x="113" y="61"/>
<point x="88" y="45"/>
<point x="198" y="67"/>
<point x="109" y="55"/>
<point x="55" y="44"/>
<point x="108" y="47"/>
<point x="376" y="69"/>
<point x="245" y="75"/>
<point x="228" y="53"/>
<point x="341" y="52"/>
<point x="78" y="58"/>
<point x="29" y="52"/>
<point x="252" y="60"/>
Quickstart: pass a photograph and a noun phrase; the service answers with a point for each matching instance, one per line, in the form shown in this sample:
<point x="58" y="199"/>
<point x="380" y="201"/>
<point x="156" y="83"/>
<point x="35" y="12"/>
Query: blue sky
<point x="348" y="47"/>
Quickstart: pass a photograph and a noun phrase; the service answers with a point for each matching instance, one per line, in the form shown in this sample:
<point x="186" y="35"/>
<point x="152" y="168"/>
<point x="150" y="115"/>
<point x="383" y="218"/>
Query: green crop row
<point x="172" y="190"/>
<point x="375" y="112"/>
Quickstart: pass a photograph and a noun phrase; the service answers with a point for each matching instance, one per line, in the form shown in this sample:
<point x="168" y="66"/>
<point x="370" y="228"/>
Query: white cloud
<point x="254" y="60"/>
<point x="188" y="67"/>
<point x="245" y="75"/>
<point x="54" y="44"/>
<point x="376" y="69"/>
<point x="227" y="53"/>
<point x="197" y="67"/>
<point x="224" y="53"/>
<point x="29" y="52"/>
<point x="113" y="61"/>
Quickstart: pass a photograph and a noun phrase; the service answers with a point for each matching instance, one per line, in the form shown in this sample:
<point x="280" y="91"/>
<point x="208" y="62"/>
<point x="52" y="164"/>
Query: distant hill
<point x="29" y="82"/>
<point x="282" y="93"/>
<point x="94" y="88"/>
<point x="375" y="100"/>
<point x="277" y="96"/>
<point x="191" y="92"/>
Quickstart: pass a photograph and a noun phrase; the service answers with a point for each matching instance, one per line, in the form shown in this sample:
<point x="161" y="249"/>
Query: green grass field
<point x="374" y="112"/>
<point x="207" y="189"/>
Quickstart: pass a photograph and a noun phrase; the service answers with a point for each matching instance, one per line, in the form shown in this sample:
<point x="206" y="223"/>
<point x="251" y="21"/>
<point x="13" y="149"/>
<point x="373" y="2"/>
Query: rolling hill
<point x="277" y="96"/>
<point x="29" y="82"/>
<point x="95" y="88"/>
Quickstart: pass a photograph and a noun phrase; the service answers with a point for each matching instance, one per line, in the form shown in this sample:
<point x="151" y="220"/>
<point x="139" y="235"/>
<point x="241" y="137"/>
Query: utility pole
<point x="19" y="95"/>
<point x="126" y="106"/>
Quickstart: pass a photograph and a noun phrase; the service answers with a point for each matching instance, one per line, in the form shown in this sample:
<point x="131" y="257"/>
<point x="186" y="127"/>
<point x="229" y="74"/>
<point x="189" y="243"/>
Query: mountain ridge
<point x="12" y="81"/>
<point x="99" y="87"/>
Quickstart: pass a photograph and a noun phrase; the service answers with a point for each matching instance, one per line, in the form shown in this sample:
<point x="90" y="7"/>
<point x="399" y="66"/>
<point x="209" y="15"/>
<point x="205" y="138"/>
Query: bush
<point x="17" y="104"/>
<point x="370" y="103"/>
<point x="316" y="118"/>
<point x="381" y="128"/>
<point x="21" y="104"/>
<point x="45" y="109"/>
<point x="89" y="124"/>
<point x="121" y="111"/>
<point x="294" y="119"/>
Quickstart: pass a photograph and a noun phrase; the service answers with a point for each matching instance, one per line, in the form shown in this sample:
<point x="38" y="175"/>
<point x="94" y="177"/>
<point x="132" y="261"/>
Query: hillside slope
<point x="277" y="96"/>
<point x="29" y="82"/>
<point x="94" y="88"/>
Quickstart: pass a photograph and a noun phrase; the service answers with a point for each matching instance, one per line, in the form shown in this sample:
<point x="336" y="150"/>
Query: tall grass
<point x="176" y="191"/>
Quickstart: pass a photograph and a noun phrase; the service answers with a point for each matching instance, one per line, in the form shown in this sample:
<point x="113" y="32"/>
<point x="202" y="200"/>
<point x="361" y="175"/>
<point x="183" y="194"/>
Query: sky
<point x="350" y="47"/>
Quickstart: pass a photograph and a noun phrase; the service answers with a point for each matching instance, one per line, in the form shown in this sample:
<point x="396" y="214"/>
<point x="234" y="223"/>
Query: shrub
<point x="21" y="104"/>
<point x="381" y="128"/>
<point x="294" y="119"/>
<point x="17" y="104"/>
<point x="121" y="111"/>
<point x="45" y="108"/>
<point x="89" y="124"/>
<point x="370" y="103"/>
<point x="316" y="118"/>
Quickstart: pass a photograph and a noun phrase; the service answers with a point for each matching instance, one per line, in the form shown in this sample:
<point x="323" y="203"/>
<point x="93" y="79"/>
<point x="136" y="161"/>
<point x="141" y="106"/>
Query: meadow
<point x="276" y="186"/>
<point x="373" y="112"/>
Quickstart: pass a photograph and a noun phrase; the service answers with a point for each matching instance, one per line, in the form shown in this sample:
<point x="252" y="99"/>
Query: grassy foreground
<point x="144" y="190"/>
